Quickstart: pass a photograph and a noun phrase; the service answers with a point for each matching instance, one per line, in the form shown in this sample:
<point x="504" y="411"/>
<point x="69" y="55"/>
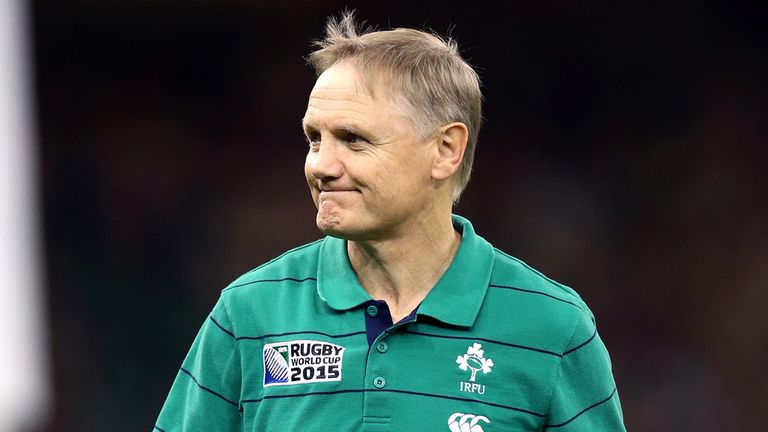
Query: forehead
<point x="341" y="79"/>
<point x="341" y="90"/>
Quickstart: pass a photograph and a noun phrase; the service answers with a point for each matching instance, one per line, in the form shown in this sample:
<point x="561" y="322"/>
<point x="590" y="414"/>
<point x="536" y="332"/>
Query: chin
<point x="335" y="226"/>
<point x="329" y="223"/>
<point x="334" y="220"/>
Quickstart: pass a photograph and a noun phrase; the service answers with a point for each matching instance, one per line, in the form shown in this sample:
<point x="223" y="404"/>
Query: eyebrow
<point x="346" y="127"/>
<point x="306" y="127"/>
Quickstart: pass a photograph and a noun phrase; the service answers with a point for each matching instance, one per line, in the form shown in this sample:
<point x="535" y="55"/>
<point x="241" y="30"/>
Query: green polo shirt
<point x="495" y="346"/>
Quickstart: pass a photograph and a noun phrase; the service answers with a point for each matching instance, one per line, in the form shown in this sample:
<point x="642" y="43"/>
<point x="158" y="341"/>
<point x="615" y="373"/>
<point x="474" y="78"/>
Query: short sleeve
<point x="206" y="392"/>
<point x="584" y="396"/>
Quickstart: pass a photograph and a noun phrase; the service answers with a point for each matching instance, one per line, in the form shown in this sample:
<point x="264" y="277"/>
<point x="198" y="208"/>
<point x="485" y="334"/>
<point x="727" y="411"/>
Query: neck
<point x="403" y="269"/>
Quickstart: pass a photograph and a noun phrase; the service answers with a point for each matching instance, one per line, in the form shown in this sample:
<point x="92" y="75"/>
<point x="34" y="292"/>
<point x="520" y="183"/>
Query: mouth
<point x="326" y="188"/>
<point x="330" y="193"/>
<point x="334" y="194"/>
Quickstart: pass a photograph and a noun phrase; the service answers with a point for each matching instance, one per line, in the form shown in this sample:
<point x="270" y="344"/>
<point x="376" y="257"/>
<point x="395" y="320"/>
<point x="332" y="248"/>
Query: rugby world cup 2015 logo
<point x="302" y="362"/>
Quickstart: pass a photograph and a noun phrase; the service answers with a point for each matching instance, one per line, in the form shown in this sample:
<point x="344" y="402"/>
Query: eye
<point x="313" y="138"/>
<point x="352" y="138"/>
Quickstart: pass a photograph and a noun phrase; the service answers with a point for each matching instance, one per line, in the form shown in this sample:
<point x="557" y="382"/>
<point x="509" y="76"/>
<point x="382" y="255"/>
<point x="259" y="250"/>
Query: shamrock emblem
<point x="474" y="361"/>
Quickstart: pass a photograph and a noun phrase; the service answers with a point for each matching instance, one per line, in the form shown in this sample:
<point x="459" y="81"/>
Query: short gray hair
<point x="435" y="84"/>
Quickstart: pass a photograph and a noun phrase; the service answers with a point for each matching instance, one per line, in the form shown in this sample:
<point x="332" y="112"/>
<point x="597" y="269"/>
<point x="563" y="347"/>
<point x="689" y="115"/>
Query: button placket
<point x="379" y="378"/>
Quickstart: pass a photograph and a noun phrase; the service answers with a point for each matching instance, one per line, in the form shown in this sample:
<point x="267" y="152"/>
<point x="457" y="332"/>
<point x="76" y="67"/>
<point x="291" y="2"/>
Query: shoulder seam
<point x="230" y="333"/>
<point x="581" y="345"/>
<point x="560" y="364"/>
<point x="228" y="316"/>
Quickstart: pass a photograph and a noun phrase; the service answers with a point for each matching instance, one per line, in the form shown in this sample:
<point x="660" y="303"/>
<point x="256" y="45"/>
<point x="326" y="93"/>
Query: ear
<point x="451" y="145"/>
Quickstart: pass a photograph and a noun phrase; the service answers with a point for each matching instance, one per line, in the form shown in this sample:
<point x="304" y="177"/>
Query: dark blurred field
<point x="624" y="153"/>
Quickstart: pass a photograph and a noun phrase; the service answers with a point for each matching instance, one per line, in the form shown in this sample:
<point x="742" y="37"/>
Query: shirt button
<point x="372" y="311"/>
<point x="382" y="347"/>
<point x="379" y="382"/>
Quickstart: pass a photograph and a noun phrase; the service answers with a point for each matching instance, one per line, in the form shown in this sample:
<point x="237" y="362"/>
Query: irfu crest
<point x="474" y="361"/>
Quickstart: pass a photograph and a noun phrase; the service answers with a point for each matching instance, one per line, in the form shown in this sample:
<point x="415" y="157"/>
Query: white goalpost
<point x="25" y="389"/>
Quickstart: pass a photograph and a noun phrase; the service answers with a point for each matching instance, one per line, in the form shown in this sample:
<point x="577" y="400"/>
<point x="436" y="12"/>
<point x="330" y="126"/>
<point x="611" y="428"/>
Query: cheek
<point x="394" y="188"/>
<point x="416" y="175"/>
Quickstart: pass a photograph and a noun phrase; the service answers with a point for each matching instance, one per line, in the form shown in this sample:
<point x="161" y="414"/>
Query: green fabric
<point x="495" y="346"/>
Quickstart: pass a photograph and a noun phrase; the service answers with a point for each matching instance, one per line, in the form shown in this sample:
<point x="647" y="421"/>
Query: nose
<point x="324" y="163"/>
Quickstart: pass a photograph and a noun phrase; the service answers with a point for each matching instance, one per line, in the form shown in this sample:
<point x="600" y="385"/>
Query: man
<point x="402" y="318"/>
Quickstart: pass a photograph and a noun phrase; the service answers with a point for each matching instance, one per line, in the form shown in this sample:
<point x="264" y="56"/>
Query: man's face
<point x="367" y="169"/>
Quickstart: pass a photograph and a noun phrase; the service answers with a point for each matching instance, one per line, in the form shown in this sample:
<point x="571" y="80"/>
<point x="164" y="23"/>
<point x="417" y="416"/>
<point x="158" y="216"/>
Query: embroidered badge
<point x="460" y="422"/>
<point x="302" y="362"/>
<point x="474" y="361"/>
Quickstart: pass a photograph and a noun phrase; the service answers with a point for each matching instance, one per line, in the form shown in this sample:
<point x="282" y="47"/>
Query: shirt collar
<point x="454" y="300"/>
<point x="337" y="282"/>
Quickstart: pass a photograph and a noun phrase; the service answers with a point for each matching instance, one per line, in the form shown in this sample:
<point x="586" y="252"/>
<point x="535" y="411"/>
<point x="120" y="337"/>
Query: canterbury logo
<point x="460" y="422"/>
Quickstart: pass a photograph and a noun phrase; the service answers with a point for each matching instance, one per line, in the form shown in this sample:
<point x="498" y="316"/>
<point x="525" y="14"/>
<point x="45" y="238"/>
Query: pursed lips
<point x="332" y="192"/>
<point x="329" y="192"/>
<point x="327" y="188"/>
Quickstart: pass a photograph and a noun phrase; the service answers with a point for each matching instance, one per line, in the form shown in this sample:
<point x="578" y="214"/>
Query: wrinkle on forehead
<point x="343" y="89"/>
<point x="377" y="85"/>
<point x="337" y="78"/>
<point x="340" y="89"/>
<point x="342" y="110"/>
<point x="337" y="93"/>
<point x="335" y="99"/>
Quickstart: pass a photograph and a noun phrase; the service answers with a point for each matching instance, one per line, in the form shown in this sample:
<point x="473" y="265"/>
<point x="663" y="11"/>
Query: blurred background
<point x="624" y="153"/>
